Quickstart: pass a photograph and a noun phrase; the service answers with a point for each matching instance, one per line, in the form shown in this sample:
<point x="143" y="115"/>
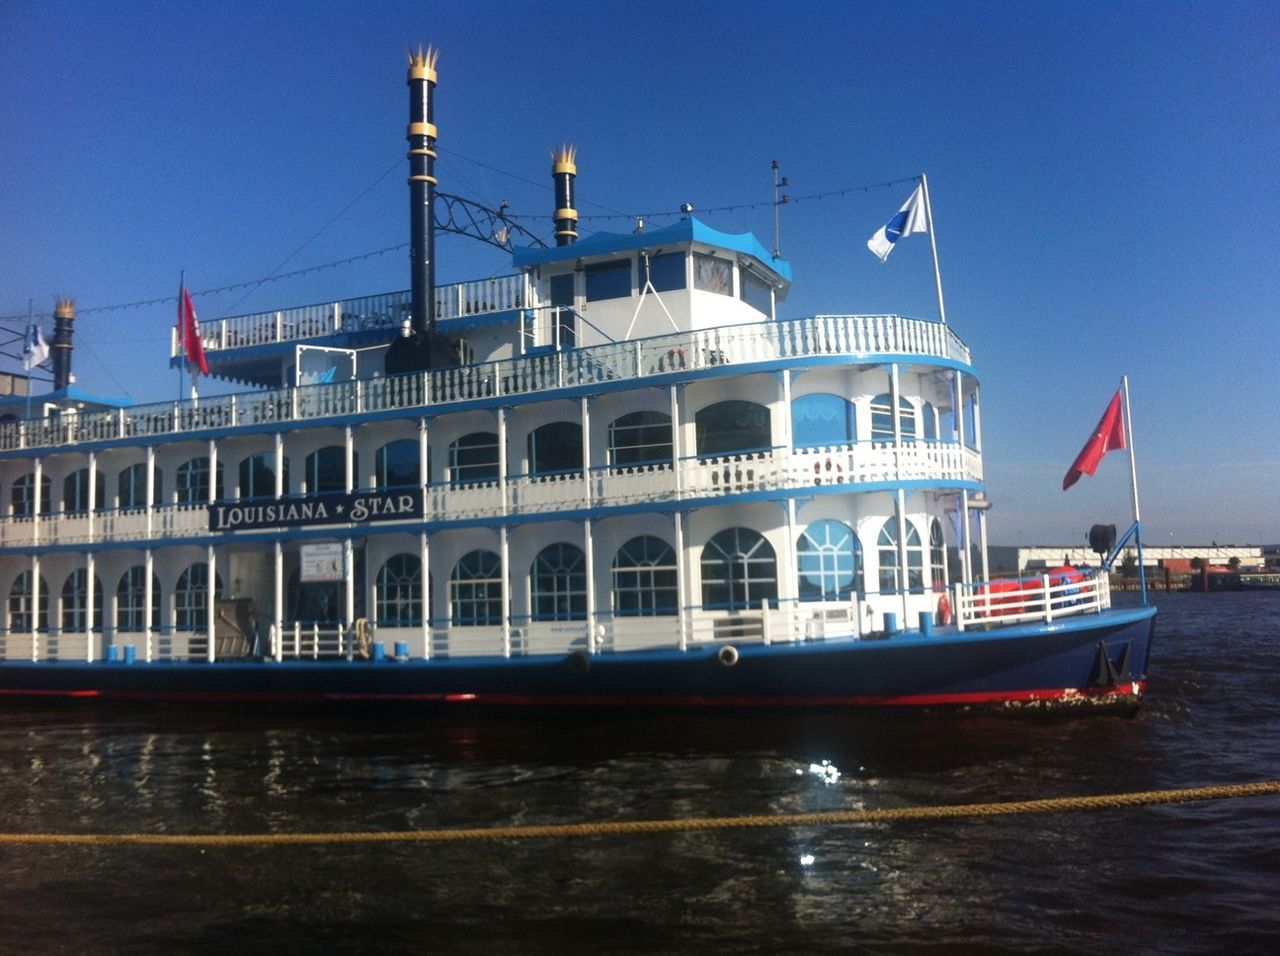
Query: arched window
<point x="192" y="482"/>
<point x="396" y="465"/>
<point x="739" y="570"/>
<point x="474" y="458"/>
<point x="75" y="491"/>
<point x="829" y="559"/>
<point x="400" y="591"/>
<point x="131" y="599"/>
<point x="733" y="426"/>
<point x="882" y="418"/>
<point x="258" y="476"/>
<point x="558" y="580"/>
<point x="326" y="469"/>
<point x="644" y="578"/>
<point x="937" y="555"/>
<point x="475" y="590"/>
<point x="22" y="604"/>
<point x="640" y="438"/>
<point x="930" y="418"/>
<point x="191" y="598"/>
<point x="822" y="421"/>
<point x="132" y="486"/>
<point x="24" y="495"/>
<point x="888" y="545"/>
<point x="555" y="449"/>
<point x="75" y="601"/>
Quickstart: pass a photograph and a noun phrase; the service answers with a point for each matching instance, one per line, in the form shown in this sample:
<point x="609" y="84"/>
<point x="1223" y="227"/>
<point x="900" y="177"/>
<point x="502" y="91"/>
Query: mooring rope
<point x="1110" y="801"/>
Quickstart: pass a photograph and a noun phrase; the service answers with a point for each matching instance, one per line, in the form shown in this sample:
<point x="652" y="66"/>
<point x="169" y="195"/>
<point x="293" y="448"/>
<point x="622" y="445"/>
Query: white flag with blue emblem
<point x="35" y="350"/>
<point x="910" y="219"/>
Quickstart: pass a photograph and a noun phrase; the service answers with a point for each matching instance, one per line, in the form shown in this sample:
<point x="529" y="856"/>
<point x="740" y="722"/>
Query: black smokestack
<point x="564" y="168"/>
<point x="422" y="187"/>
<point x="64" y="317"/>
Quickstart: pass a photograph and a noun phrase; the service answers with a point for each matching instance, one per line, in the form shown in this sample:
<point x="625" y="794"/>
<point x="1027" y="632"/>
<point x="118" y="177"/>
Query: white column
<point x="677" y="466"/>
<point x="151" y="491"/>
<point x="279" y="473"/>
<point x="88" y="607"/>
<point x="424" y="478"/>
<point x="213" y="471"/>
<point x="977" y="419"/>
<point x="93" y="490"/>
<point x="424" y="558"/>
<point x="893" y="401"/>
<point x="212" y="609"/>
<point x="148" y="595"/>
<point x="37" y="498"/>
<point x="682" y="580"/>
<point x="349" y="466"/>
<point x="791" y="573"/>
<point x="966" y="539"/>
<point x="35" y="604"/>
<point x="982" y="541"/>
<point x="589" y="557"/>
<point x="277" y="597"/>
<point x="502" y="478"/>
<point x="903" y="575"/>
<point x="504" y="552"/>
<point x="349" y="566"/>
<point x="958" y="402"/>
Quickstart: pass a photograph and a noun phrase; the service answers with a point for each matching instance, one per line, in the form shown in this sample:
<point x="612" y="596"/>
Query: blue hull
<point x="1091" y="661"/>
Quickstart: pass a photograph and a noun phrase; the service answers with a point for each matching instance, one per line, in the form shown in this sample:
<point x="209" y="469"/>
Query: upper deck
<point x="657" y="360"/>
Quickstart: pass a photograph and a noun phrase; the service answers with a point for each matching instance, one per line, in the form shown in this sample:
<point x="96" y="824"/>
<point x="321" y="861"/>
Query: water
<point x="1196" y="878"/>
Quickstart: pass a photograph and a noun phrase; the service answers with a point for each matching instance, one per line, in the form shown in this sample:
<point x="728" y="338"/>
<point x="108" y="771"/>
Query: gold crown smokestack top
<point x="564" y="169"/>
<point x="64" y="317"/>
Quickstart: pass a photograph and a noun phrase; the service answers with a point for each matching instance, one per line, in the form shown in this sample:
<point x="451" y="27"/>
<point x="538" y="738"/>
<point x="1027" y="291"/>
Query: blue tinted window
<point x="666" y="271"/>
<point x="611" y="280"/>
<point x="733" y="426"/>
<point x="821" y="421"/>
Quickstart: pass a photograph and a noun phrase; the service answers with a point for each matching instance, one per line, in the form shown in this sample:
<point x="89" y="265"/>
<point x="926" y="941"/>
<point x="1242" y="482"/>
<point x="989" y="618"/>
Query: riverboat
<point x="615" y="477"/>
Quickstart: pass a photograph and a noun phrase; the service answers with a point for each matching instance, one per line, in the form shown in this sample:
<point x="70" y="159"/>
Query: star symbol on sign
<point x="341" y="508"/>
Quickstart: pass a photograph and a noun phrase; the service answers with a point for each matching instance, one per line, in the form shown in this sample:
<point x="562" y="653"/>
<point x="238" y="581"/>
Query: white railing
<point x="667" y="357"/>
<point x="1031" y="600"/>
<point x="777" y="469"/>
<point x="384" y="311"/>
<point x="993" y="604"/>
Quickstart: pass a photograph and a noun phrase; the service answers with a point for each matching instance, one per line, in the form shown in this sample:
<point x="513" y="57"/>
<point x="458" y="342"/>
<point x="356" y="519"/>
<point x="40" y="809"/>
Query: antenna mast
<point x="778" y="200"/>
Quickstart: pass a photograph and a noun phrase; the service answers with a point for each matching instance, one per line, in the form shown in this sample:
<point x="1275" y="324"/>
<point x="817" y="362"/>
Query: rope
<point x="627" y="827"/>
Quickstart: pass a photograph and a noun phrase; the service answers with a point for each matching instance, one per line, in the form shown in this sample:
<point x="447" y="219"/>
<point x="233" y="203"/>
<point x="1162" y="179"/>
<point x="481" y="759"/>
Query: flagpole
<point x="182" y="352"/>
<point x="1133" y="481"/>
<point x="31" y="320"/>
<point x="933" y="245"/>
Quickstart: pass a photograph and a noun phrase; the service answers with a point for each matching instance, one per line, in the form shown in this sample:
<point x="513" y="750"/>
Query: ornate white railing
<point x="385" y="311"/>
<point x="777" y="469"/>
<point x="663" y="357"/>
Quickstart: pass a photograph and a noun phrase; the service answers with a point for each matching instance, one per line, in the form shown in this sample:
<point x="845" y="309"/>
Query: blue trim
<point x="680" y="376"/>
<point x="686" y="230"/>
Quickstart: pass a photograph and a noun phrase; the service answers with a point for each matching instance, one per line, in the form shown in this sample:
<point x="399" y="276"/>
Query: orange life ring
<point x="944" y="609"/>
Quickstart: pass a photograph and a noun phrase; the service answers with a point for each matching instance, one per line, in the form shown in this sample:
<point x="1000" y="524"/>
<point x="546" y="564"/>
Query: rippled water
<point x="1197" y="878"/>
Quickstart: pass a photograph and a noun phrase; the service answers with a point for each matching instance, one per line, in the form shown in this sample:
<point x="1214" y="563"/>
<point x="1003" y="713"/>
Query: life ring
<point x="944" y="609"/>
<point x="674" y="359"/>
<point x="727" y="655"/>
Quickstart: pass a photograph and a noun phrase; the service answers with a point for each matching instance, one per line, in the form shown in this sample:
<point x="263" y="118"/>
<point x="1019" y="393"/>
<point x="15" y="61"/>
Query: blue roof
<point x="688" y="229"/>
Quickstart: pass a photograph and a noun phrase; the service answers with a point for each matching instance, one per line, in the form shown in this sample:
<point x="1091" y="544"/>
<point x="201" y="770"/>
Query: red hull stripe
<point x="1127" y="692"/>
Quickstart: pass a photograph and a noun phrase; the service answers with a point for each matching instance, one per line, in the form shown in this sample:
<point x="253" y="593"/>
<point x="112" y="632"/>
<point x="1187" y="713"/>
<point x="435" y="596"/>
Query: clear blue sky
<point x="1104" y="177"/>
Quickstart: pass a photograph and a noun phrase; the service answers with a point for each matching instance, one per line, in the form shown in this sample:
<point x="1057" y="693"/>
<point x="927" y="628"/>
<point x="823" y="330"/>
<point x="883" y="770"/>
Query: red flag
<point x="189" y="331"/>
<point x="1107" y="436"/>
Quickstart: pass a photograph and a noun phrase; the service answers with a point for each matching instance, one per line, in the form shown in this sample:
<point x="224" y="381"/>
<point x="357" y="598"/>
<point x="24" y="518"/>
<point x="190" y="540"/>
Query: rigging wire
<point x="278" y="276"/>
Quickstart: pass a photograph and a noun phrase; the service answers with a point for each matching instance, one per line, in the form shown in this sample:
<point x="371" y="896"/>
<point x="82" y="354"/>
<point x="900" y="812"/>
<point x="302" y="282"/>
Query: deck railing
<point x="662" y="358"/>
<point x="384" y="311"/>
<point x="775" y="469"/>
<point x="1044" y="599"/>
